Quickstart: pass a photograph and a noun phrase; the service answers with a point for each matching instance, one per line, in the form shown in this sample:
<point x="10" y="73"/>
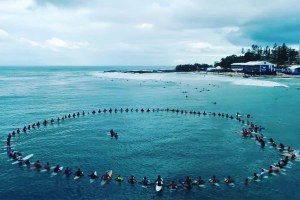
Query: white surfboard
<point x="54" y="174"/>
<point x="24" y="159"/>
<point x="158" y="188"/>
<point x="215" y="184"/>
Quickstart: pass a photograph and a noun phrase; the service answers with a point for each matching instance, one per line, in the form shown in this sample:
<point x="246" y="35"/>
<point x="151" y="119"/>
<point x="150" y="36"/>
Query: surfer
<point x="213" y="179"/>
<point x="47" y="166"/>
<point x="286" y="160"/>
<point x="68" y="171"/>
<point x="200" y="181"/>
<point x="105" y="176"/>
<point x="79" y="173"/>
<point x="270" y="171"/>
<point x="93" y="175"/>
<point x="255" y="177"/>
<point x="132" y="180"/>
<point x="27" y="162"/>
<point x="112" y="133"/>
<point x="37" y="164"/>
<point x="145" y="181"/>
<point x="281" y="147"/>
<point x="56" y="169"/>
<point x="229" y="180"/>
<point x="290" y="150"/>
<point x="119" y="179"/>
<point x="173" y="185"/>
<point x="262" y="172"/>
<point x="187" y="183"/>
<point x="159" y="179"/>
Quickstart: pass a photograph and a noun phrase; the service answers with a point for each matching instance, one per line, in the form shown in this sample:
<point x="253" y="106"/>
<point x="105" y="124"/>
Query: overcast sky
<point x="140" y="32"/>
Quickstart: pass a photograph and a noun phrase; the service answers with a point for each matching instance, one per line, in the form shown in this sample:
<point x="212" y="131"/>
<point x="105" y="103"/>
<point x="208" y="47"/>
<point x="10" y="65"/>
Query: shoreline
<point x="231" y="74"/>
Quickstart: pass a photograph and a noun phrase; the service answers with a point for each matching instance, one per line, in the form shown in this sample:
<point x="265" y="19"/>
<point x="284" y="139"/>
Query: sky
<point x="140" y="32"/>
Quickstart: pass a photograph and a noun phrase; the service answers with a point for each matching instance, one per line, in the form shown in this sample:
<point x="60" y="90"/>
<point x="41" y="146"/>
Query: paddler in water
<point x="262" y="172"/>
<point x="93" y="175"/>
<point x="68" y="171"/>
<point x="173" y="185"/>
<point x="213" y="179"/>
<point x="27" y="162"/>
<point x="159" y="179"/>
<point x="229" y="179"/>
<point x="188" y="183"/>
<point x="270" y="171"/>
<point x="112" y="133"/>
<point x="119" y="178"/>
<point x="145" y="181"/>
<point x="105" y="176"/>
<point x="37" y="164"/>
<point x="79" y="173"/>
<point x="47" y="166"/>
<point x="200" y="181"/>
<point x="132" y="180"/>
<point x="255" y="177"/>
<point x="56" y="169"/>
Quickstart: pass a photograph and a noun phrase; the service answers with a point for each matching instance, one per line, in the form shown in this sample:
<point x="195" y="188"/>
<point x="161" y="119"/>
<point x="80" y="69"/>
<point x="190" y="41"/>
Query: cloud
<point x="143" y="32"/>
<point x="4" y="35"/>
<point x="55" y="44"/>
<point x="146" y="26"/>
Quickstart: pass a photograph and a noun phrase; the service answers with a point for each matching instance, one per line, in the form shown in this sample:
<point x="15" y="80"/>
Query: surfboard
<point x="54" y="174"/>
<point x="24" y="159"/>
<point x="45" y="170"/>
<point x="146" y="186"/>
<point x="103" y="182"/>
<point x="215" y="184"/>
<point x="91" y="179"/>
<point x="230" y="184"/>
<point x="158" y="188"/>
<point x="257" y="180"/>
<point x="289" y="155"/>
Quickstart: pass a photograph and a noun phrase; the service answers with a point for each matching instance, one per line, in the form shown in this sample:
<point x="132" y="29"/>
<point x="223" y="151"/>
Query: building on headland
<point x="255" y="67"/>
<point x="294" y="70"/>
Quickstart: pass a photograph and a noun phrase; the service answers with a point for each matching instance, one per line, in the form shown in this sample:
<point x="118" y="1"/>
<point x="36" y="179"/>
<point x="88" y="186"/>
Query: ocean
<point x="158" y="142"/>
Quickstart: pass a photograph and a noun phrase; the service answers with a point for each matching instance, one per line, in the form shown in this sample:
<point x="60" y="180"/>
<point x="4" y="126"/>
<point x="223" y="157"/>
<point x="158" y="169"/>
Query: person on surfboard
<point x="132" y="180"/>
<point x="56" y="169"/>
<point x="187" y="183"/>
<point x="119" y="178"/>
<point x="145" y="181"/>
<point x="47" y="166"/>
<point x="93" y="175"/>
<point x="200" y="181"/>
<point x="68" y="171"/>
<point x="78" y="172"/>
<point x="37" y="164"/>
<point x="105" y="176"/>
<point x="229" y="179"/>
<point x="214" y="179"/>
<point x="173" y="185"/>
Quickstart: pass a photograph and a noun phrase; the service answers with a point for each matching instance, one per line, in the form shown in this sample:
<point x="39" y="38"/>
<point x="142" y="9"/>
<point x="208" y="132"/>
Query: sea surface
<point x="158" y="142"/>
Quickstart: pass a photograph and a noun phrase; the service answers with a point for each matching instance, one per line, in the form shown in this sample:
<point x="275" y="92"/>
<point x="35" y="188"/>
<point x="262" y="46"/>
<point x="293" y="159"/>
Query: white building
<point x="254" y="67"/>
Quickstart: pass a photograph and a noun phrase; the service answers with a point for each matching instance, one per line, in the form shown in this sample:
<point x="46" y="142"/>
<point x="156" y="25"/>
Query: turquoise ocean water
<point x="169" y="144"/>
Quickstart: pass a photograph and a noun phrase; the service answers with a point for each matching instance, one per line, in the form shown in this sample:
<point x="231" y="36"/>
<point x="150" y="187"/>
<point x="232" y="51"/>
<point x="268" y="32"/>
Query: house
<point x="294" y="69"/>
<point x="255" y="67"/>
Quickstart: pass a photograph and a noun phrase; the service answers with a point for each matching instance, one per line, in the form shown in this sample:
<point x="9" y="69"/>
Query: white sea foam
<point x="256" y="82"/>
<point x="187" y="77"/>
